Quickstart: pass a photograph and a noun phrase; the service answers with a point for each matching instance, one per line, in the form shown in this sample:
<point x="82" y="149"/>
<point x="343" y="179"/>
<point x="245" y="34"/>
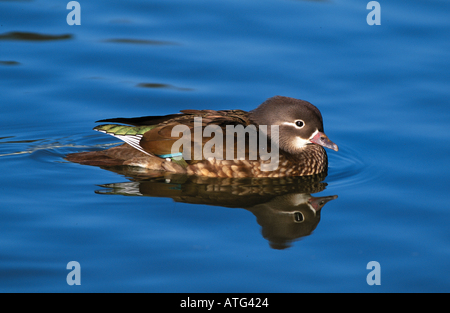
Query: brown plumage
<point x="149" y="141"/>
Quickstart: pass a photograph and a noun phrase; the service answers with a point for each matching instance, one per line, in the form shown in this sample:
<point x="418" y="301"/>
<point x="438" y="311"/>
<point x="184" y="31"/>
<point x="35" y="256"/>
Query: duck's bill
<point x="322" y="140"/>
<point x="318" y="202"/>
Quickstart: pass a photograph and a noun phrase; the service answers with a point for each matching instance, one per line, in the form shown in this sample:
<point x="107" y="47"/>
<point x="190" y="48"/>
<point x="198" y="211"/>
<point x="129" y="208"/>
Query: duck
<point x="182" y="143"/>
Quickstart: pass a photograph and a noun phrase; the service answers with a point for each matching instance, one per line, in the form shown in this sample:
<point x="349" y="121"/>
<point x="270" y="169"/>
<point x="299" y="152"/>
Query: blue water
<point x="383" y="92"/>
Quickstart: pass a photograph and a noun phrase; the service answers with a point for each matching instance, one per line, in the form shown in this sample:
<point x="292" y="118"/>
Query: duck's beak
<point x="318" y="202"/>
<point x="322" y="140"/>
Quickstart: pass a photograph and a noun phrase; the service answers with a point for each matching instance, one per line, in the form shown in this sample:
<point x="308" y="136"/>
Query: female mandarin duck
<point x="150" y="140"/>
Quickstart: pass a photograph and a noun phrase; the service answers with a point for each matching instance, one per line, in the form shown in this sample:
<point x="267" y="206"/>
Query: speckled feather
<point x="151" y="136"/>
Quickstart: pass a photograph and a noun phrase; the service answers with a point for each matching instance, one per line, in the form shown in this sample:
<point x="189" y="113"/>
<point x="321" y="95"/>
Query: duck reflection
<point x="283" y="207"/>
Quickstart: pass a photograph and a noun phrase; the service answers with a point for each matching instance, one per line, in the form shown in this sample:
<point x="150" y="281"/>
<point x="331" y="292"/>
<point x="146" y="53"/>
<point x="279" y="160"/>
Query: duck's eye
<point x="299" y="123"/>
<point x="298" y="217"/>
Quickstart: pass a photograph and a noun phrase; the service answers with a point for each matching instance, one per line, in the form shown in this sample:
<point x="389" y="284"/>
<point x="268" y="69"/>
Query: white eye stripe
<point x="315" y="133"/>
<point x="287" y="123"/>
<point x="295" y="124"/>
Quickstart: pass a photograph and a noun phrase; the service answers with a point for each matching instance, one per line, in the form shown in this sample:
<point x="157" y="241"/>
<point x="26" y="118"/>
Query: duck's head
<point x="300" y="123"/>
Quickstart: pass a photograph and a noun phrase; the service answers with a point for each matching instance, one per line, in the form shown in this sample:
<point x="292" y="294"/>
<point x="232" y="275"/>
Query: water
<point x="383" y="92"/>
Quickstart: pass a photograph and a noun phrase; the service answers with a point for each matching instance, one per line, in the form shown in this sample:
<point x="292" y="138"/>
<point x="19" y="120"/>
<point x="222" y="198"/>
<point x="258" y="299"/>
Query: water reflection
<point x="27" y="36"/>
<point x="9" y="63"/>
<point x="283" y="207"/>
<point x="162" y="86"/>
<point x="141" y="41"/>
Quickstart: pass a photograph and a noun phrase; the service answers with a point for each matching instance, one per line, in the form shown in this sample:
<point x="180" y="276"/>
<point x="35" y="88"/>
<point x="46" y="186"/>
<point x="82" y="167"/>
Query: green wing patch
<point x="122" y="130"/>
<point x="180" y="161"/>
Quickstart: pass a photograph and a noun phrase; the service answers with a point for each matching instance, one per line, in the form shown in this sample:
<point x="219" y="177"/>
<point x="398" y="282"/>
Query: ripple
<point x="141" y="41"/>
<point x="348" y="168"/>
<point x="9" y="63"/>
<point x="57" y="146"/>
<point x="25" y="36"/>
<point x="162" y="86"/>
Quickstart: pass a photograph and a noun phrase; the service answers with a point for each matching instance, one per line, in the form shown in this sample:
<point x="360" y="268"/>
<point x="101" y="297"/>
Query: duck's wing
<point x="156" y="135"/>
<point x="141" y="121"/>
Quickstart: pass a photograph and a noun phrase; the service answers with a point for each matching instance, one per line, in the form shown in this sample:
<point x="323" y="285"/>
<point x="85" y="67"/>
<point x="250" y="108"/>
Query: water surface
<point x="382" y="90"/>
